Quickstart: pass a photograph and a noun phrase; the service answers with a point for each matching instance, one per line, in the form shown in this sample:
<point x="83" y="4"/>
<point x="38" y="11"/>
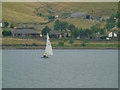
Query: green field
<point x="17" y="42"/>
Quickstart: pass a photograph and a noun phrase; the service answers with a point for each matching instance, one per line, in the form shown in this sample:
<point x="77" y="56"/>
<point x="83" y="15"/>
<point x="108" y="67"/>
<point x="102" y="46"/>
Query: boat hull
<point x="44" y="57"/>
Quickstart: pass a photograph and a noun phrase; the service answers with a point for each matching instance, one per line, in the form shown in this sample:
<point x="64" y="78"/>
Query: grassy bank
<point x="9" y="42"/>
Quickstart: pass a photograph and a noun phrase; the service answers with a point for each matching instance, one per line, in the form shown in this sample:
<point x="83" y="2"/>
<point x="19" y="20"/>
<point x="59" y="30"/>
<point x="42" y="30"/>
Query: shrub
<point x="5" y="24"/>
<point x="6" y="33"/>
<point x="51" y="17"/>
<point x="12" y="26"/>
<point x="83" y="44"/>
<point x="45" y="30"/>
<point x="34" y="44"/>
<point x="76" y="45"/>
<point x="85" y="41"/>
<point x="64" y="39"/>
<point x="61" y="43"/>
<point x="31" y="36"/>
<point x="71" y="41"/>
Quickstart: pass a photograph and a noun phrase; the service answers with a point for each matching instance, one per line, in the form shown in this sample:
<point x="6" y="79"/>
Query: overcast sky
<point x="59" y="0"/>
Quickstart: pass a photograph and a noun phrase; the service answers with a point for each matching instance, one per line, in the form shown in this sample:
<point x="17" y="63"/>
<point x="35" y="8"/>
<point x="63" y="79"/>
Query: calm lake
<point x="65" y="69"/>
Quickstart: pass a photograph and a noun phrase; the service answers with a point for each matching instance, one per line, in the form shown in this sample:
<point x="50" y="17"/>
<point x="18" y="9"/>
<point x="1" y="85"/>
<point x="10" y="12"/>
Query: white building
<point x="115" y="35"/>
<point x="112" y="34"/>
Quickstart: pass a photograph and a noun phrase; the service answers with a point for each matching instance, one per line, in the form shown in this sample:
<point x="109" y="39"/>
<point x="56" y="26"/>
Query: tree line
<point x="93" y="32"/>
<point x="63" y="26"/>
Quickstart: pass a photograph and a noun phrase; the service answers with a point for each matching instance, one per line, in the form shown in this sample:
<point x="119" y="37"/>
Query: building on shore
<point x="25" y="32"/>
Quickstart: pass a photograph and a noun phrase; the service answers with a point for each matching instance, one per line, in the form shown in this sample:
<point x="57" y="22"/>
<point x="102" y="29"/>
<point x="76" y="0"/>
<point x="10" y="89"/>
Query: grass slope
<point x="101" y="8"/>
<point x="23" y="11"/>
<point x="20" y="12"/>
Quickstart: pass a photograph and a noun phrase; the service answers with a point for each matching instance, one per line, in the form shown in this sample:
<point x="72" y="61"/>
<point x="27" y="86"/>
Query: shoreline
<point x="102" y="48"/>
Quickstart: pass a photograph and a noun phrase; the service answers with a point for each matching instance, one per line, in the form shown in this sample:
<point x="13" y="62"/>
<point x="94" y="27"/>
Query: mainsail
<point x="48" y="48"/>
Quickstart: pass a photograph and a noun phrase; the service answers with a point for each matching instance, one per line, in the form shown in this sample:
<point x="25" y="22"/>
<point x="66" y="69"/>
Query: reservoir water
<point x="65" y="69"/>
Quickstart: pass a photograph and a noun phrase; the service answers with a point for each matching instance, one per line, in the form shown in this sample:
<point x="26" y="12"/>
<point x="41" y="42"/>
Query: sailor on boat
<point x="48" y="48"/>
<point x="45" y="55"/>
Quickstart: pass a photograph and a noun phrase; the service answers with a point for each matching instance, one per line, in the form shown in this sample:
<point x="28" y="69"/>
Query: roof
<point x="24" y="31"/>
<point x="54" y="33"/>
<point x="78" y="14"/>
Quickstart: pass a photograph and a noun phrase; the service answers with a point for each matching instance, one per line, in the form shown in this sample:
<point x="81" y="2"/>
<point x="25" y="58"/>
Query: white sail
<point x="48" y="48"/>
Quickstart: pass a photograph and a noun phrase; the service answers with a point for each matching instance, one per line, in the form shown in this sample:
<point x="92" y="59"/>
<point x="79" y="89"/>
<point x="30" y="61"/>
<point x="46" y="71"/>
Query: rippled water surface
<point x="65" y="69"/>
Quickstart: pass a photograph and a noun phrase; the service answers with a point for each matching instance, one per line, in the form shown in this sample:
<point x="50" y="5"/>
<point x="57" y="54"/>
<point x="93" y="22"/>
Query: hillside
<point x="0" y="11"/>
<point x="14" y="12"/>
<point x="20" y="12"/>
<point x="99" y="8"/>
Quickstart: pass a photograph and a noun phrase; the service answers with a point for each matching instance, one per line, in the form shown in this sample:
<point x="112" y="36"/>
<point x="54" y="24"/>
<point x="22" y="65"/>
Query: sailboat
<point x="48" y="48"/>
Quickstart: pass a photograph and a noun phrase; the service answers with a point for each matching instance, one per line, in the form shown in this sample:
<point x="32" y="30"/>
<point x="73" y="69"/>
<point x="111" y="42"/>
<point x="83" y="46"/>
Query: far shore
<point x="10" y="47"/>
<point x="16" y="43"/>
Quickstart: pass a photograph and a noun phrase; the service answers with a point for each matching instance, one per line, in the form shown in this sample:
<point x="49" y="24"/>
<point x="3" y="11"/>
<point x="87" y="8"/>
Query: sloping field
<point x="83" y="23"/>
<point x="101" y="8"/>
<point x="0" y="10"/>
<point x="23" y="11"/>
<point x="20" y="12"/>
